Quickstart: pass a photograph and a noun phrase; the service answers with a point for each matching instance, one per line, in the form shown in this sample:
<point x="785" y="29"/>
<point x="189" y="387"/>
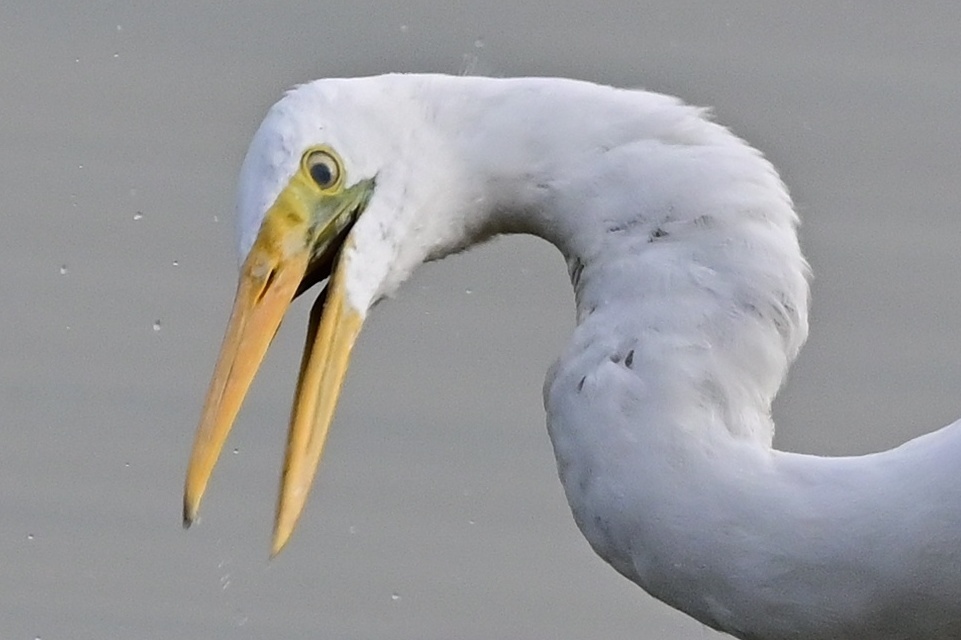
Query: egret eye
<point x="323" y="167"/>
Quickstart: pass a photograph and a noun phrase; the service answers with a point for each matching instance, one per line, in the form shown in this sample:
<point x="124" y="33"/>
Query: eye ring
<point x="323" y="167"/>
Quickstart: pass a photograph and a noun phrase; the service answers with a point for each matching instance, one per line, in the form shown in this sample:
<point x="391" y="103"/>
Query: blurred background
<point x="437" y="512"/>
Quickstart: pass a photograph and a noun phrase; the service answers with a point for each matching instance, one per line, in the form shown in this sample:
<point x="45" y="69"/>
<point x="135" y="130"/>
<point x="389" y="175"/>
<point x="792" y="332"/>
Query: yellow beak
<point x="285" y="250"/>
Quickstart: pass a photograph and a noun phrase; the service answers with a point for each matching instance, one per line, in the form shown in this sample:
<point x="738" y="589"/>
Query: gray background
<point x="437" y="513"/>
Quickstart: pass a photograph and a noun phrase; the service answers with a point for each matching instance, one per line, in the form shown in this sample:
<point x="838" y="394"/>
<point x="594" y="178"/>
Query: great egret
<point x="692" y="298"/>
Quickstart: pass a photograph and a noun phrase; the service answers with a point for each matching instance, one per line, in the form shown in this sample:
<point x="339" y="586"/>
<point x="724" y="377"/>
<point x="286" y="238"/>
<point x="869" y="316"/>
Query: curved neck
<point x="677" y="234"/>
<point x="692" y="297"/>
<point x="659" y="414"/>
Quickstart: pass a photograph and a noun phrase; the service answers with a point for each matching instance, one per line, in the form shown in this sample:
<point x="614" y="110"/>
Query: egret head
<point x="333" y="186"/>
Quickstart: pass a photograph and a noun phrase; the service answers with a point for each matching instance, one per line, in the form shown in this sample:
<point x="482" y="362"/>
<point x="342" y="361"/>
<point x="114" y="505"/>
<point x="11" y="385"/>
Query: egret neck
<point x="692" y="296"/>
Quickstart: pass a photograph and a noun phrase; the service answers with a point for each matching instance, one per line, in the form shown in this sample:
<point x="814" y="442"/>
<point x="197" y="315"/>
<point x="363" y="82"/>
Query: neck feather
<point x="692" y="296"/>
<point x="680" y="238"/>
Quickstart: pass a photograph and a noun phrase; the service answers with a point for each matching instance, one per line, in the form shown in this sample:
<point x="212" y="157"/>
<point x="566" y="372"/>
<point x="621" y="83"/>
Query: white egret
<point x="692" y="299"/>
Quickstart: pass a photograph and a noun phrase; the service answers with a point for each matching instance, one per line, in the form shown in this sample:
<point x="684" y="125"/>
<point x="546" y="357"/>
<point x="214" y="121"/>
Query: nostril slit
<point x="269" y="280"/>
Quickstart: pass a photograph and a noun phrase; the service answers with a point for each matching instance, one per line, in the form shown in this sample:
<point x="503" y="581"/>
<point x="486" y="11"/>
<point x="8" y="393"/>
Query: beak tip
<point x="189" y="515"/>
<point x="277" y="546"/>
<point x="283" y="529"/>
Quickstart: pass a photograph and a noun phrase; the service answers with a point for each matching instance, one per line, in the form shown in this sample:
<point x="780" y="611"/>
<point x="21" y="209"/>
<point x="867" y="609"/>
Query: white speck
<point x="29" y="536"/>
<point x="68" y="327"/>
<point x="469" y="291"/>
<point x="403" y="28"/>
<point x="225" y="581"/>
<point x="116" y="55"/>
<point x="80" y="166"/>
<point x="138" y="215"/>
<point x="471" y="522"/>
<point x="395" y="597"/>
<point x="216" y="218"/>
<point x="126" y="465"/>
<point x="119" y="28"/>
<point x="156" y="325"/>
<point x="176" y="263"/>
<point x="76" y="60"/>
<point x="63" y="269"/>
<point x="351" y="529"/>
<point x="236" y="451"/>
<point x="479" y="43"/>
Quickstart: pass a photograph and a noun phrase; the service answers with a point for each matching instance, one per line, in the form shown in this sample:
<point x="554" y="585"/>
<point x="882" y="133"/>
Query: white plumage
<point x="692" y="298"/>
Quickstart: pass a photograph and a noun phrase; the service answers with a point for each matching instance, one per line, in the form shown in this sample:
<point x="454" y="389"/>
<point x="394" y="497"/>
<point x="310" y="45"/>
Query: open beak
<point x="295" y="247"/>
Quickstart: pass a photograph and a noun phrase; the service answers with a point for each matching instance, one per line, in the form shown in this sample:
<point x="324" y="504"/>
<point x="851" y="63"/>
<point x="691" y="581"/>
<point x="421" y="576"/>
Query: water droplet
<point x="176" y="263"/>
<point x="156" y="325"/>
<point x="479" y="43"/>
<point x="470" y="63"/>
<point x="138" y="215"/>
<point x="395" y="596"/>
<point x="63" y="269"/>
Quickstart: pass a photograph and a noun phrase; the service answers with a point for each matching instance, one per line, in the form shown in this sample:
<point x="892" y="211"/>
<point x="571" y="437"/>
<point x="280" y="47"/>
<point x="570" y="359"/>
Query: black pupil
<point x="321" y="173"/>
